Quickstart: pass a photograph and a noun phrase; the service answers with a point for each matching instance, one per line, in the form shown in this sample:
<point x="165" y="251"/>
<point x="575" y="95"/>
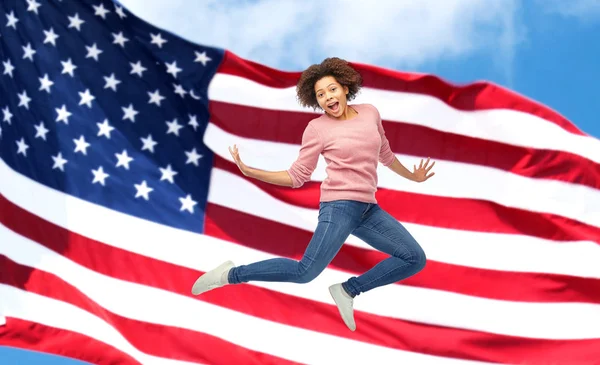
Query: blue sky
<point x="547" y="50"/>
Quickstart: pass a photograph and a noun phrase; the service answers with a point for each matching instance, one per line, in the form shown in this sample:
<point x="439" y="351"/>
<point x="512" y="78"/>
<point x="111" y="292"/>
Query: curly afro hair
<point x="332" y="66"/>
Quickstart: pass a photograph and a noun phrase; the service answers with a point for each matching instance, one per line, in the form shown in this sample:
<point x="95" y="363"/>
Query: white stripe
<point x="474" y="249"/>
<point x="570" y="320"/>
<point x="453" y="179"/>
<point x="500" y="125"/>
<point x="153" y="305"/>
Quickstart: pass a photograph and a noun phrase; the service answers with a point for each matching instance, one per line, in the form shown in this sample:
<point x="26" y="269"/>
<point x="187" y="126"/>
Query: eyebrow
<point x="333" y="83"/>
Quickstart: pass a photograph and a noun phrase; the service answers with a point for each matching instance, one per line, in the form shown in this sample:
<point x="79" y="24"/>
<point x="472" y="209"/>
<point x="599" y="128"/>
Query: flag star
<point x="123" y="159"/>
<point x="193" y="122"/>
<point x="142" y="190"/>
<point x="41" y="131"/>
<point x="28" y="52"/>
<point x="63" y="114"/>
<point x="174" y="127"/>
<point x="22" y="147"/>
<point x="149" y="143"/>
<point x="111" y="82"/>
<point x="86" y="98"/>
<point x="172" y="68"/>
<point x="157" y="39"/>
<point x="105" y="129"/>
<point x="179" y="90"/>
<point x="192" y="157"/>
<point x="93" y="52"/>
<point x="33" y="6"/>
<point x="7" y="115"/>
<point x="167" y="174"/>
<point x="81" y="145"/>
<point x="50" y="36"/>
<point x="68" y="67"/>
<point x="59" y="162"/>
<point x="120" y="39"/>
<point x="187" y="204"/>
<point x="101" y="11"/>
<point x="8" y="67"/>
<point x="45" y="83"/>
<point x="120" y="12"/>
<point x="202" y="57"/>
<point x="155" y="97"/>
<point x="75" y="22"/>
<point x="24" y="100"/>
<point x="129" y="113"/>
<point x="137" y="68"/>
<point x="12" y="20"/>
<point x="99" y="176"/>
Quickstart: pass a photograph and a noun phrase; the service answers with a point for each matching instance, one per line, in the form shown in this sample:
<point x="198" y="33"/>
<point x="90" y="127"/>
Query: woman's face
<point x="331" y="96"/>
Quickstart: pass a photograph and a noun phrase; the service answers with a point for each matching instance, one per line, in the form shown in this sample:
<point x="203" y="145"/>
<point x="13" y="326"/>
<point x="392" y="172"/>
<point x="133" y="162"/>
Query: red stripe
<point x="474" y="96"/>
<point x="38" y="337"/>
<point x="445" y="212"/>
<point x="150" y="338"/>
<point x="415" y="140"/>
<point x="278" y="307"/>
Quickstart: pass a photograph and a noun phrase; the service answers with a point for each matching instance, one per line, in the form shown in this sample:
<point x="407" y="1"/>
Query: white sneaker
<point x="213" y="279"/>
<point x="344" y="303"/>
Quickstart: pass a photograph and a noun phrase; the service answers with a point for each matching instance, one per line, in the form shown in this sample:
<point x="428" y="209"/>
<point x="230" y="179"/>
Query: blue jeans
<point x="337" y="220"/>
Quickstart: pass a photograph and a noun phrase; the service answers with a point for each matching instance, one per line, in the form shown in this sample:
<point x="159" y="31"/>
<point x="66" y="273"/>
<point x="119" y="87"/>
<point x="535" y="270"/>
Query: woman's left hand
<point x="421" y="174"/>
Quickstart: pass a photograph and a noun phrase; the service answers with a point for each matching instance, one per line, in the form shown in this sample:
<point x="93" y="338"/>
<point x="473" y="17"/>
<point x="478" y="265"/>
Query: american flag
<point x="117" y="191"/>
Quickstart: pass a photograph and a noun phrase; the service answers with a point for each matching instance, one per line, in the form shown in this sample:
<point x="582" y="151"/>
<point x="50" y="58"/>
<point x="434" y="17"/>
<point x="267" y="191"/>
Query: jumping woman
<point x="352" y="140"/>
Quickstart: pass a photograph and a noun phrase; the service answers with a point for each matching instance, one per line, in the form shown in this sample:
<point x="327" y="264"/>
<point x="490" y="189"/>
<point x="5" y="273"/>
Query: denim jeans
<point x="337" y="220"/>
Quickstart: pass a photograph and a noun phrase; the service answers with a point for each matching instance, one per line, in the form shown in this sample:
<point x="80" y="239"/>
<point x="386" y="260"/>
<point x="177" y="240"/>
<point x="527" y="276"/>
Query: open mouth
<point x="334" y="106"/>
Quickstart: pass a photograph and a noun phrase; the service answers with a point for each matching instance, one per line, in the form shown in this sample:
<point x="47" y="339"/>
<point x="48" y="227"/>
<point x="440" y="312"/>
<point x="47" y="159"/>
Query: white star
<point x="174" y="127"/>
<point x="33" y="6"/>
<point x="101" y="11"/>
<point x="187" y="204"/>
<point x="93" y="52"/>
<point x="7" y="115"/>
<point x="28" y="52"/>
<point x="59" y="162"/>
<point x="119" y="39"/>
<point x="172" y="68"/>
<point x="68" y="67"/>
<point x="8" y="67"/>
<point x="120" y="12"/>
<point x="193" y="157"/>
<point x="157" y="39"/>
<point x="22" y="147"/>
<point x="193" y="122"/>
<point x="45" y="83"/>
<point x="123" y="159"/>
<point x="81" y="145"/>
<point x="142" y="190"/>
<point x="86" y="98"/>
<point x="201" y="57"/>
<point x="41" y="131"/>
<point x="149" y="143"/>
<point x="130" y="113"/>
<point x="111" y="82"/>
<point x="75" y="22"/>
<point x="155" y="97"/>
<point x="63" y="114"/>
<point x="167" y="174"/>
<point x="24" y="100"/>
<point x="99" y="176"/>
<point x="50" y="36"/>
<point x="105" y="129"/>
<point x="179" y="90"/>
<point x="137" y="68"/>
<point x="12" y="20"/>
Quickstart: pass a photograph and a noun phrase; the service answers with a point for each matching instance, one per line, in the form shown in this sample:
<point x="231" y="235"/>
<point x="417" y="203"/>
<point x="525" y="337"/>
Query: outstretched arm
<point x="417" y="175"/>
<point x="271" y="177"/>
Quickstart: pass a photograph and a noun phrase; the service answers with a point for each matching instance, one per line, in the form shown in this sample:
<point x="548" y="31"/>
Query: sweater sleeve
<point x="302" y="169"/>
<point x="386" y="155"/>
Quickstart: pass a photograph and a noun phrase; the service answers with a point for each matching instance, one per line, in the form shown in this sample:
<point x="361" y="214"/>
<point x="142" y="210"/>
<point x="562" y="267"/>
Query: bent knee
<point x="307" y="274"/>
<point x="419" y="259"/>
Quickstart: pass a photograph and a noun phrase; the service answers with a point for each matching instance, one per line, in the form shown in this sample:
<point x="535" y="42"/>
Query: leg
<point x="336" y="220"/>
<point x="386" y="234"/>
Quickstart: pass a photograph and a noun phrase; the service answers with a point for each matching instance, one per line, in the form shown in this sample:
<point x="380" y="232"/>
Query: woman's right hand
<point x="236" y="158"/>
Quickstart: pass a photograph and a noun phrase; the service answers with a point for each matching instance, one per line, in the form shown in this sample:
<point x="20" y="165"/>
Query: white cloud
<point x="291" y="35"/>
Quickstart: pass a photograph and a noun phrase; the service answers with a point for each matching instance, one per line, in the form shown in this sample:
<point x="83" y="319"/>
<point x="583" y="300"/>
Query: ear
<point x="346" y="90"/>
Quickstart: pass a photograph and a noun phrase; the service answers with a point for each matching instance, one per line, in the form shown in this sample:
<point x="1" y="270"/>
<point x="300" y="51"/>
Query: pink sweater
<point x="351" y="148"/>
